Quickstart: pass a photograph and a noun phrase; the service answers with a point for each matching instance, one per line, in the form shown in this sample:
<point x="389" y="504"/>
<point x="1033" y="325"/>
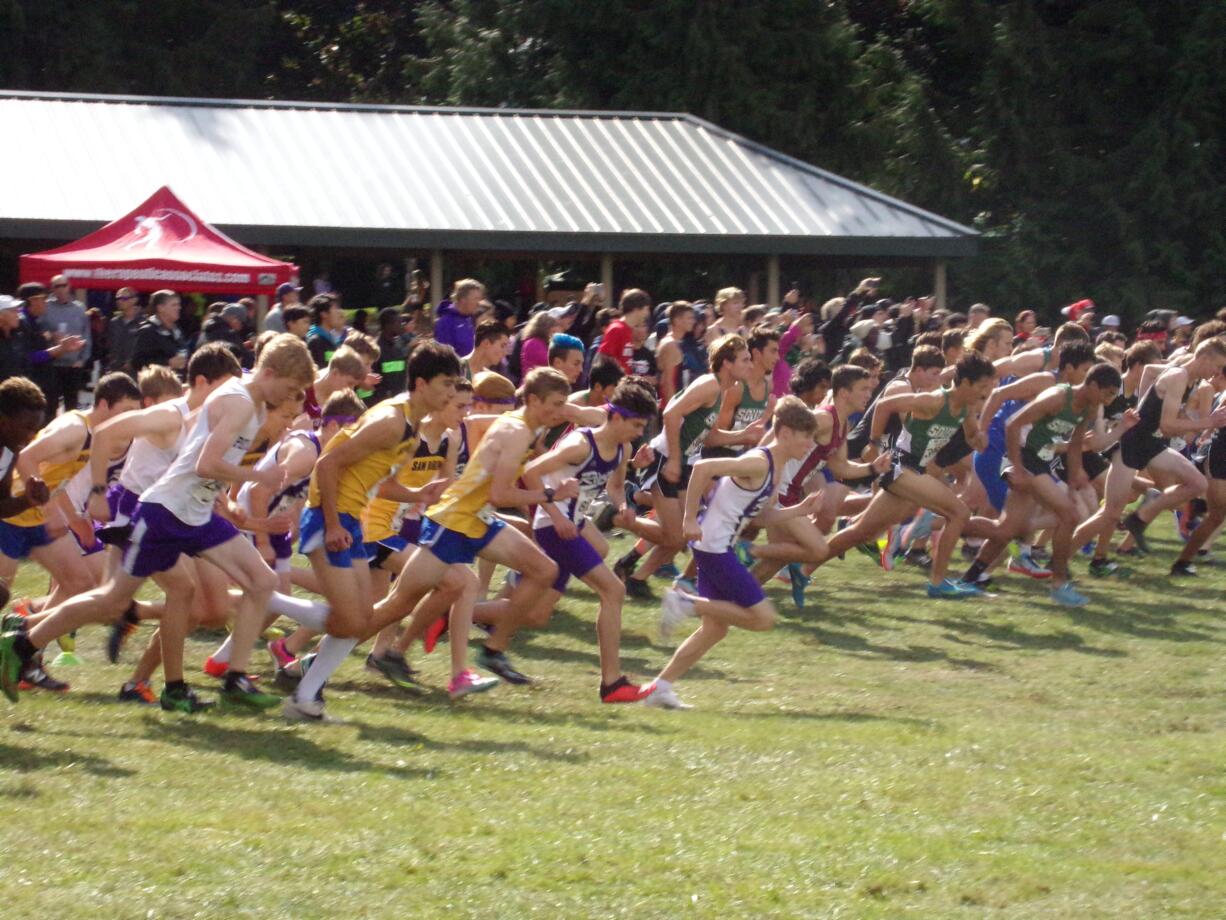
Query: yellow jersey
<point x="357" y="483"/>
<point x="465" y="506"/>
<point x="384" y="516"/>
<point x="54" y="475"/>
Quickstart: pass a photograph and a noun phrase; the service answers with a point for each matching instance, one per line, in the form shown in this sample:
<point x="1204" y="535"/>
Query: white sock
<point x="662" y="684"/>
<point x="687" y="602"/>
<point x="223" y="652"/>
<point x="1024" y="548"/>
<point x="331" y="655"/>
<point x="311" y="614"/>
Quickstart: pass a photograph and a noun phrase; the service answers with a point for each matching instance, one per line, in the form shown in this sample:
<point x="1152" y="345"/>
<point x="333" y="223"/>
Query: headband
<point x="624" y="413"/>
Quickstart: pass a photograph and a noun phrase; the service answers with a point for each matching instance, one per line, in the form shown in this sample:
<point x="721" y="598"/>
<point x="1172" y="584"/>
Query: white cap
<point x="1182" y="321"/>
<point x="1112" y="320"/>
<point x="9" y="303"/>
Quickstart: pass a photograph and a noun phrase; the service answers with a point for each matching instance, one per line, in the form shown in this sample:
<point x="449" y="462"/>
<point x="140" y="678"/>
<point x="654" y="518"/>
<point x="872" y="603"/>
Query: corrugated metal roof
<point x="299" y="173"/>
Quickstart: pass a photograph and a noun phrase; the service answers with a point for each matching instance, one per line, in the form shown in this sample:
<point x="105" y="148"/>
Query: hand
<point x="691" y="530"/>
<point x="337" y="539"/>
<point x="752" y="433"/>
<point x="233" y="513"/>
<point x="1078" y="481"/>
<point x="431" y="491"/>
<point x="792" y="297"/>
<point x="177" y="363"/>
<point x="98" y="509"/>
<point x="979" y="441"/>
<point x="282" y="522"/>
<point x="643" y="457"/>
<point x="1019" y="476"/>
<point x="624" y="518"/>
<point x="567" y="490"/>
<point x="82" y="529"/>
<point x="37" y="491"/>
<point x="1129" y="419"/>
<point x="371" y="380"/>
<point x="811" y="503"/>
<point x="881" y="464"/>
<point x="672" y="470"/>
<point x="907" y="307"/>
<point x="566" y="529"/>
<point x="70" y="344"/>
<point x="273" y="477"/>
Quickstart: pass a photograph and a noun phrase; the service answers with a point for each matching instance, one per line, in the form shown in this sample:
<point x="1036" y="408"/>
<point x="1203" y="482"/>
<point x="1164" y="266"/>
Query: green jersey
<point x="922" y="438"/>
<point x="1047" y="431"/>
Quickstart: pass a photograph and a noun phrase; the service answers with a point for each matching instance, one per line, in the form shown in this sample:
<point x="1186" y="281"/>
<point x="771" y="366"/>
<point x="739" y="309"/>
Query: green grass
<point x="879" y="755"/>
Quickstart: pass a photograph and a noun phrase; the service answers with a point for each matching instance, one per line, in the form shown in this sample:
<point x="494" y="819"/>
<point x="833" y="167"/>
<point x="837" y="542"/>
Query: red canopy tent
<point x="161" y="244"/>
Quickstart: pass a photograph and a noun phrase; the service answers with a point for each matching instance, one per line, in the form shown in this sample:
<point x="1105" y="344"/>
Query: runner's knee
<point x="763" y="617"/>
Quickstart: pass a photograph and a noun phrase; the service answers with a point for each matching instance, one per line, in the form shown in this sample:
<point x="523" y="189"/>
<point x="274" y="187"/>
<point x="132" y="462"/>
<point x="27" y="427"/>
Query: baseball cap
<point x="1182" y="321"/>
<point x="9" y="303"/>
<point x="235" y="311"/>
<point x="1112" y="320"/>
<point x="564" y="311"/>
<point x="1075" y="311"/>
<point x="285" y="288"/>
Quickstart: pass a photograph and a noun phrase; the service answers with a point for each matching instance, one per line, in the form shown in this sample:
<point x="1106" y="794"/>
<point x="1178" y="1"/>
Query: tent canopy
<point x="160" y="244"/>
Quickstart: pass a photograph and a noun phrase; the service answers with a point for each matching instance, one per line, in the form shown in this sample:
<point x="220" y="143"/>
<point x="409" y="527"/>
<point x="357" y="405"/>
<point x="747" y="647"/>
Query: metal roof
<point x="368" y="175"/>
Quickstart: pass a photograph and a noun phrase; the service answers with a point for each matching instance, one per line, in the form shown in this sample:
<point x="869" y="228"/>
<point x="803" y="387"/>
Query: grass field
<point x="878" y="755"/>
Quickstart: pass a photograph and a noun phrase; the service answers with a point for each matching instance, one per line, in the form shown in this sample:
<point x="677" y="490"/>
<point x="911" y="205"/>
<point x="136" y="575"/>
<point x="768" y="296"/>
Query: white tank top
<point x="6" y="460"/>
<point x="79" y="485"/>
<point x="730" y="509"/>
<point x="182" y="492"/>
<point x="593" y="474"/>
<point x="291" y="492"/>
<point x="146" y="461"/>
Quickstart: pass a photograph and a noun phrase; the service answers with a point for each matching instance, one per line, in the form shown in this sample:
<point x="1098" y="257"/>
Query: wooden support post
<point x="772" y="281"/>
<point x="940" y="285"/>
<point x="606" y="279"/>
<point x="436" y="280"/>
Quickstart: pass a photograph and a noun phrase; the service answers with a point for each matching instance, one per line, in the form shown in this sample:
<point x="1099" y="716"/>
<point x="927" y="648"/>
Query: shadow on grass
<point x="610" y="722"/>
<point x="832" y="716"/>
<point x="29" y="760"/>
<point x="860" y="647"/>
<point x="388" y="734"/>
<point x="277" y="746"/>
<point x="1005" y="636"/>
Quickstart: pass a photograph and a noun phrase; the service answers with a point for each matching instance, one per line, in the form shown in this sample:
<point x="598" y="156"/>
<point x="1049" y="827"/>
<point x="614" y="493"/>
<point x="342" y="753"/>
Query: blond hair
<point x="490" y="386"/>
<point x="989" y="329"/>
<point x="725" y="349"/>
<point x="544" y="381"/>
<point x="723" y="295"/>
<point x="286" y="356"/>
<point x="157" y="381"/>
<point x="791" y="412"/>
<point x="347" y="361"/>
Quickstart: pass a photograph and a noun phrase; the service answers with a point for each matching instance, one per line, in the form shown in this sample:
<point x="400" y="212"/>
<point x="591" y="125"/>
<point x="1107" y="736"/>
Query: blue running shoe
<point x="743" y="553"/>
<point x="970" y="590"/>
<point x="685" y="584"/>
<point x="1069" y="596"/>
<point x="668" y="570"/>
<point x="799" y="581"/>
<point x="946" y="590"/>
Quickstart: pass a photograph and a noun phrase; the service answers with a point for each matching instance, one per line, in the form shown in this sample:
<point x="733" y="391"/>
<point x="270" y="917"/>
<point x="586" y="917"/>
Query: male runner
<point x="22" y="406"/>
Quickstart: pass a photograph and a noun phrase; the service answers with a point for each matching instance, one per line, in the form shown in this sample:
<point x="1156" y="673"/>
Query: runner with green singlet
<point x="1056" y="421"/>
<point x="689" y="424"/>
<point x="748" y="406"/>
<point x="929" y="421"/>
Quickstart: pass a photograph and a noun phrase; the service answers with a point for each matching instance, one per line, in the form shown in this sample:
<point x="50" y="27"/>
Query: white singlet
<point x="181" y="490"/>
<point x="291" y="492"/>
<point x="146" y="461"/>
<point x="731" y="507"/>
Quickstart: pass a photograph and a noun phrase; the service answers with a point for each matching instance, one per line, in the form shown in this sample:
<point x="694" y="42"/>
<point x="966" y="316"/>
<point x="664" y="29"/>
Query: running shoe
<point x="975" y="589"/>
<point x="499" y="664"/>
<point x="396" y="670"/>
<point x="295" y="710"/>
<point x="685" y="584"/>
<point x="280" y="655"/>
<point x="947" y="590"/>
<point x="33" y="677"/>
<point x="10" y="667"/>
<point x="1130" y="551"/>
<point x="870" y="550"/>
<point x="604" y="518"/>
<point x="286" y="680"/>
<point x="121" y="630"/>
<point x="183" y="700"/>
<point x="1040" y="555"/>
<point x="1181" y="569"/>
<point x="242" y="693"/>
<point x="138" y="692"/>
<point x="890" y="549"/>
<point x="622" y="691"/>
<point x="1024" y="564"/>
<point x="919" y="528"/>
<point x="800" y="581"/>
<point x="745" y="554"/>
<point x="623" y="568"/>
<point x="434" y="632"/>
<point x="668" y="570"/>
<point x="214" y="668"/>
<point x="1069" y="596"/>
<point x="67" y="658"/>
<point x="272" y="633"/>
<point x="637" y="589"/>
<point x="1135" y="526"/>
<point x="12" y="622"/>
<point x="662" y="698"/>
<point x="469" y="681"/>
<point x="675" y="607"/>
<point x="919" y="558"/>
<point x="1102" y="568"/>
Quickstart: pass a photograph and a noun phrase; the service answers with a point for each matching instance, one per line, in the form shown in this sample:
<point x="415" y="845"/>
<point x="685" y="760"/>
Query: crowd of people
<point x="737" y="444"/>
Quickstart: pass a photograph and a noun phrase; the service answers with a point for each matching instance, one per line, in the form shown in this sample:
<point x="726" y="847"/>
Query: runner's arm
<point x="227" y="417"/>
<point x="373" y="433"/>
<point x="668" y="357"/>
<point x="704" y="471"/>
<point x="570" y="451"/>
<point x="120" y="431"/>
<point x="1048" y="403"/>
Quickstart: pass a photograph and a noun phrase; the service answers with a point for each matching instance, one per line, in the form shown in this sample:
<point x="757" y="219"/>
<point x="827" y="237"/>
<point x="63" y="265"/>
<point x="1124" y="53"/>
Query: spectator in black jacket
<point x="121" y="331"/>
<point x="158" y="340"/>
<point x="25" y="349"/>
<point x="227" y="325"/>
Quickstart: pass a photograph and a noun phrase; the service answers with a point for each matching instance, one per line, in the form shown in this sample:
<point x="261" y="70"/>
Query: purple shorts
<point x="574" y="557"/>
<point x="410" y="530"/>
<point x="159" y="539"/>
<point x="722" y="577"/>
<point x="122" y="503"/>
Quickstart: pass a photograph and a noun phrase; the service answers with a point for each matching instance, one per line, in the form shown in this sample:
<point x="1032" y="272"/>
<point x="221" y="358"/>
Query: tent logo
<point x="266" y="279"/>
<point x="164" y="226"/>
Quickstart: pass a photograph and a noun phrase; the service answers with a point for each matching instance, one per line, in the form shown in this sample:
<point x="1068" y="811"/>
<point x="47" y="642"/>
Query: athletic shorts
<point x="1031" y="462"/>
<point x="159" y="539"/>
<point x="1215" y="459"/>
<point x="94" y="546"/>
<point x="722" y="577"/>
<point x="574" y="557"/>
<point x="1137" y="452"/>
<point x="987" y="468"/>
<point x="410" y="531"/>
<point x="654" y="476"/>
<point x="902" y="460"/>
<point x="311" y="538"/>
<point x="18" y="542"/>
<point x="1093" y="464"/>
<point x="382" y="550"/>
<point x="453" y="547"/>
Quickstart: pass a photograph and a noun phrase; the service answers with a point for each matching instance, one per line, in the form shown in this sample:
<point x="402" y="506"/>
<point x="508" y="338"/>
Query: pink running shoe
<point x="470" y="681"/>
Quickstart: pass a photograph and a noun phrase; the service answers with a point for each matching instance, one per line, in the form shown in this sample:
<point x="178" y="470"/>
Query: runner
<point x="728" y="595"/>
<point x="22" y="406"/>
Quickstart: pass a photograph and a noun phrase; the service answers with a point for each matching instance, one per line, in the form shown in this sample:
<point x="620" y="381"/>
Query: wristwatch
<point x="548" y="490"/>
<point x="97" y="490"/>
